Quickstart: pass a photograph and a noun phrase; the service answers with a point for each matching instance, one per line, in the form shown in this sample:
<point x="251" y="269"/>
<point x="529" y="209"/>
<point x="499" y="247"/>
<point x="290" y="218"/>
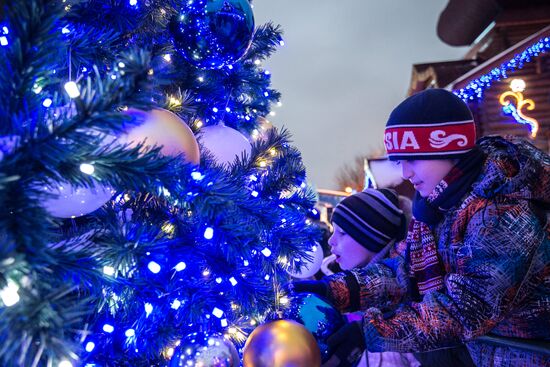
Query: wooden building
<point x="505" y="76"/>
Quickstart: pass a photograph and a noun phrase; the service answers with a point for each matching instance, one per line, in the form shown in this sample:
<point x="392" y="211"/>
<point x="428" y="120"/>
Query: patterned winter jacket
<point x="495" y="247"/>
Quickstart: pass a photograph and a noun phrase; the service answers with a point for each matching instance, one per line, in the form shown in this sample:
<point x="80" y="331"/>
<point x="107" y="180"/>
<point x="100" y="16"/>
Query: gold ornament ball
<point x="281" y="343"/>
<point x="163" y="128"/>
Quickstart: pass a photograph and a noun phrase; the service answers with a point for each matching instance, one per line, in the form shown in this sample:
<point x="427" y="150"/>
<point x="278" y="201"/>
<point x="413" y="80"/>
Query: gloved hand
<point x="346" y="345"/>
<point x="308" y="286"/>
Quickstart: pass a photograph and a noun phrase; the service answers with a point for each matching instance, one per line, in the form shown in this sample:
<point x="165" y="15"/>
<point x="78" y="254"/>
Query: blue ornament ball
<point x="211" y="34"/>
<point x="205" y="349"/>
<point x="318" y="316"/>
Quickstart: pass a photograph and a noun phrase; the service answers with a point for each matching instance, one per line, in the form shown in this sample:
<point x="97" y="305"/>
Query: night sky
<point x="344" y="67"/>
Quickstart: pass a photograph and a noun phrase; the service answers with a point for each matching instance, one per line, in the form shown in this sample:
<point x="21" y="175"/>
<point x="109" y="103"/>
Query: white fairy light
<point x="72" y="89"/>
<point x="87" y="168"/>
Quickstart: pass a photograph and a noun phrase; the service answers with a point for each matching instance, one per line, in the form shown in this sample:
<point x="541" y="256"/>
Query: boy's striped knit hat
<point x="372" y="218"/>
<point x="432" y="124"/>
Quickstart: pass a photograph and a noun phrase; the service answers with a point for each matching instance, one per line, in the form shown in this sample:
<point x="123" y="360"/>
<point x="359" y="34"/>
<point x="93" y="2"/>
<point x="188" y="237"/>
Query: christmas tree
<point x="117" y="240"/>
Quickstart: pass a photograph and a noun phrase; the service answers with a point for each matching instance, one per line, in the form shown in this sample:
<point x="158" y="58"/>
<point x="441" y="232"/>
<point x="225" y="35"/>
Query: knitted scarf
<point x="425" y="264"/>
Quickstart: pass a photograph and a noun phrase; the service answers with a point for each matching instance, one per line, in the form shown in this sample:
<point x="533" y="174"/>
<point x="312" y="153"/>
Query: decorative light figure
<point x="515" y="110"/>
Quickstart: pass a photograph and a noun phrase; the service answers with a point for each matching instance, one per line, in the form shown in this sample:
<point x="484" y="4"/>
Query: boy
<point x="476" y="260"/>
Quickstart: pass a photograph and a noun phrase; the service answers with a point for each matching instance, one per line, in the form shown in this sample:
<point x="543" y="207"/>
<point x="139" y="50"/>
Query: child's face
<point x="425" y="175"/>
<point x="349" y="253"/>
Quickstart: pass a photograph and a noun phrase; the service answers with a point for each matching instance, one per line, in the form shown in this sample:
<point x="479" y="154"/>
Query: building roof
<point x="438" y="74"/>
<point x="498" y="60"/>
<point x="462" y="21"/>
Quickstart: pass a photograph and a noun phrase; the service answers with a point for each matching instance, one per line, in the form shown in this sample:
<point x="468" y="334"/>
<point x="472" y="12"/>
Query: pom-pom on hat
<point x="432" y="124"/>
<point x="372" y="218"/>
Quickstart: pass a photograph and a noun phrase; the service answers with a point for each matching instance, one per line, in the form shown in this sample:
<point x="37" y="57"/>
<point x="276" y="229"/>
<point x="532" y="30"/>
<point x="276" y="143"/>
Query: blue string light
<point x="474" y="89"/>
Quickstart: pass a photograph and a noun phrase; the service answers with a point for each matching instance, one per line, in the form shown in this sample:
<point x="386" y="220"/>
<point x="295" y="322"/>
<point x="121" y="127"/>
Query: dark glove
<point x="346" y="345"/>
<point x="308" y="286"/>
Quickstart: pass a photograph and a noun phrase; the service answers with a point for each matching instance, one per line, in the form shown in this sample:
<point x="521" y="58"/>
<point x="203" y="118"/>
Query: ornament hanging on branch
<point x="211" y="34"/>
<point x="308" y="267"/>
<point x="318" y="316"/>
<point x="281" y="343"/>
<point x="70" y="202"/>
<point x="208" y="350"/>
<point x="163" y="128"/>
<point x="224" y="143"/>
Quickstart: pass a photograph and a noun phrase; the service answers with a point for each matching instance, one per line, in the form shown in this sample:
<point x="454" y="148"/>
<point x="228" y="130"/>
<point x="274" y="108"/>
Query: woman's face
<point x="349" y="253"/>
<point x="425" y="175"/>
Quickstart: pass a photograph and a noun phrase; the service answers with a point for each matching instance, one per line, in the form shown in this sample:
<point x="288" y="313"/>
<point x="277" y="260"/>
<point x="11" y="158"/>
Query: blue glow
<point x="217" y="312"/>
<point x="254" y="193"/>
<point x="176" y="304"/>
<point x="475" y="89"/>
<point x="233" y="281"/>
<point x="65" y="30"/>
<point x="5" y="30"/>
<point x="209" y="233"/>
<point x="129" y="333"/>
<point x="511" y="110"/>
<point x="197" y="176"/>
<point x="133" y="2"/>
<point x="90" y="346"/>
<point x="3" y="41"/>
<point x="266" y="252"/>
<point x="47" y="102"/>
<point x="108" y="328"/>
<point x="153" y="267"/>
<point x="148" y="309"/>
<point x="181" y="266"/>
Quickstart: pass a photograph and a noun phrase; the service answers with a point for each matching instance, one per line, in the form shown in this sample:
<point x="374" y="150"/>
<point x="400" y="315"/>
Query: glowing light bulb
<point x="148" y="309"/>
<point x="209" y="233"/>
<point x="65" y="363"/>
<point x="108" y="328"/>
<point x="153" y="267"/>
<point x="87" y="168"/>
<point x="72" y="89"/>
<point x="217" y="312"/>
<point x="181" y="266"/>
<point x="9" y="294"/>
<point x="89" y="346"/>
<point x="176" y="304"/>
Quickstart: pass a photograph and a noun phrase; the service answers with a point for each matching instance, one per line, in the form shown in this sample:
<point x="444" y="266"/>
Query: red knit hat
<point x="432" y="124"/>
